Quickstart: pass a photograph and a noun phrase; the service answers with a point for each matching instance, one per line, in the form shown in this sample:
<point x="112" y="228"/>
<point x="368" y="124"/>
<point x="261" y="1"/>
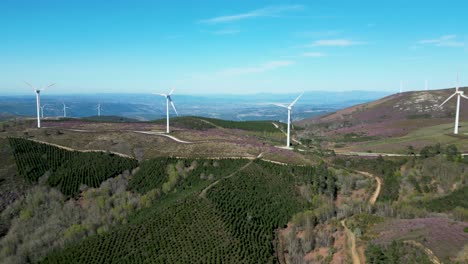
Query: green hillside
<point x="234" y="223"/>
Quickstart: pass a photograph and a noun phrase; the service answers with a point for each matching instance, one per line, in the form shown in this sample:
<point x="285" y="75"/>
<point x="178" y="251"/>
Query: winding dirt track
<point x="376" y="193"/>
<point x="80" y="150"/>
<point x="163" y="135"/>
<point x="351" y="236"/>
<point x="352" y="240"/>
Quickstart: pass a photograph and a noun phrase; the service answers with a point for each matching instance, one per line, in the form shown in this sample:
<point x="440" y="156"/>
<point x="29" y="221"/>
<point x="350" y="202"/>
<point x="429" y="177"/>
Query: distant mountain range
<point x="148" y="106"/>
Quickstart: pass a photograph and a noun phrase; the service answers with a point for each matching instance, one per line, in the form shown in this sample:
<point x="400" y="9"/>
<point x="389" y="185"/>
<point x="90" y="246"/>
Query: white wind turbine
<point x="401" y="87"/>
<point x="42" y="110"/>
<point x="459" y="94"/>
<point x="99" y="109"/>
<point x="289" y="107"/>
<point x="169" y="100"/>
<point x="38" y="101"/>
<point x="65" y="107"/>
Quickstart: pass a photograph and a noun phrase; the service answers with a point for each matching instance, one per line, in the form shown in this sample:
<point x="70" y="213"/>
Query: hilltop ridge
<point x="393" y="115"/>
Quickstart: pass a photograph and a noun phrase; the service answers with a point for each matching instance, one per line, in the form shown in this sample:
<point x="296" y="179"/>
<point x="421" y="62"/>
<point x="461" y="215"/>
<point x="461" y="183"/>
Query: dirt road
<point x="376" y="193"/>
<point x="163" y="135"/>
<point x="82" y="150"/>
<point x="351" y="240"/>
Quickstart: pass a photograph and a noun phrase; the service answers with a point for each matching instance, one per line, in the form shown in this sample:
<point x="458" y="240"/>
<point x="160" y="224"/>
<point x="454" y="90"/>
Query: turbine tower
<point x="38" y="101"/>
<point x="65" y="107"/>
<point x="169" y="101"/>
<point x="289" y="107"/>
<point x="459" y="94"/>
<point x="401" y="87"/>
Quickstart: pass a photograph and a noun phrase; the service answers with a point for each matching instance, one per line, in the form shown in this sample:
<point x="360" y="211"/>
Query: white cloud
<point x="335" y="43"/>
<point x="313" y="54"/>
<point x="268" y="66"/>
<point x="264" y="12"/>
<point x="443" y="41"/>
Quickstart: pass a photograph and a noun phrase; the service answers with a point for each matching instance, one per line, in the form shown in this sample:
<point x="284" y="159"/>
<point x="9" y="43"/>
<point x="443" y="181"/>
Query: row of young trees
<point x="68" y="169"/>
<point x="234" y="223"/>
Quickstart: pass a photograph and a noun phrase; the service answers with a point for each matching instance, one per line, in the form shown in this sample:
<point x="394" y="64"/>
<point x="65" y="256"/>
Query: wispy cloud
<point x="268" y="66"/>
<point x="271" y="11"/>
<point x="335" y="43"/>
<point x="443" y="41"/>
<point x="313" y="54"/>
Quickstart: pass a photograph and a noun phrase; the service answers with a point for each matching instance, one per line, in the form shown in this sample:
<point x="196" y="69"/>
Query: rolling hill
<point x="394" y="115"/>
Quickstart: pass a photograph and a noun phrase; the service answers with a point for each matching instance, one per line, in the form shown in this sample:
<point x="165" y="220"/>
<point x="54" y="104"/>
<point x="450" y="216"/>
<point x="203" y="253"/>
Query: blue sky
<point x="238" y="47"/>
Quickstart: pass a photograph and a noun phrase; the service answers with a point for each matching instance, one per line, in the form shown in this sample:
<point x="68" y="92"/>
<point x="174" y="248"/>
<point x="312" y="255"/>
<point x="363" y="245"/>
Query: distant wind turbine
<point x="459" y="94"/>
<point x="169" y="101"/>
<point x="401" y="87"/>
<point x="65" y="107"/>
<point x="289" y="107"/>
<point x="38" y="101"/>
<point x="99" y="109"/>
<point x="42" y="110"/>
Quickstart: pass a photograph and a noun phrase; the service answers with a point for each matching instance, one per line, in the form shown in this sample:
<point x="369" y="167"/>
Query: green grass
<point x="262" y="126"/>
<point x="442" y="134"/>
<point x="187" y="122"/>
<point x="396" y="252"/>
<point x="204" y="123"/>
<point x="109" y="119"/>
<point x="458" y="198"/>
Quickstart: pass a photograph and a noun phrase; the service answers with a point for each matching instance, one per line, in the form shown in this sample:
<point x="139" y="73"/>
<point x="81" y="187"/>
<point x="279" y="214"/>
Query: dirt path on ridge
<point x="81" y="150"/>
<point x="351" y="240"/>
<point x="376" y="193"/>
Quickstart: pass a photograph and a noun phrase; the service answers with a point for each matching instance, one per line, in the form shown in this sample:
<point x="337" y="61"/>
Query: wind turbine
<point x="99" y="109"/>
<point x="65" y="107"/>
<point x="42" y="110"/>
<point x="289" y="107"/>
<point x="401" y="87"/>
<point x="38" y="101"/>
<point x="459" y="94"/>
<point x="169" y="100"/>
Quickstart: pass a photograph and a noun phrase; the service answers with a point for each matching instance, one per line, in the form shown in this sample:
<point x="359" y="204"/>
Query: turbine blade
<point x="30" y="85"/>
<point x="48" y="86"/>
<point x="171" y="91"/>
<point x="464" y="96"/>
<point x="450" y="97"/>
<point x="173" y="106"/>
<point x="295" y="101"/>
<point x="280" y="105"/>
